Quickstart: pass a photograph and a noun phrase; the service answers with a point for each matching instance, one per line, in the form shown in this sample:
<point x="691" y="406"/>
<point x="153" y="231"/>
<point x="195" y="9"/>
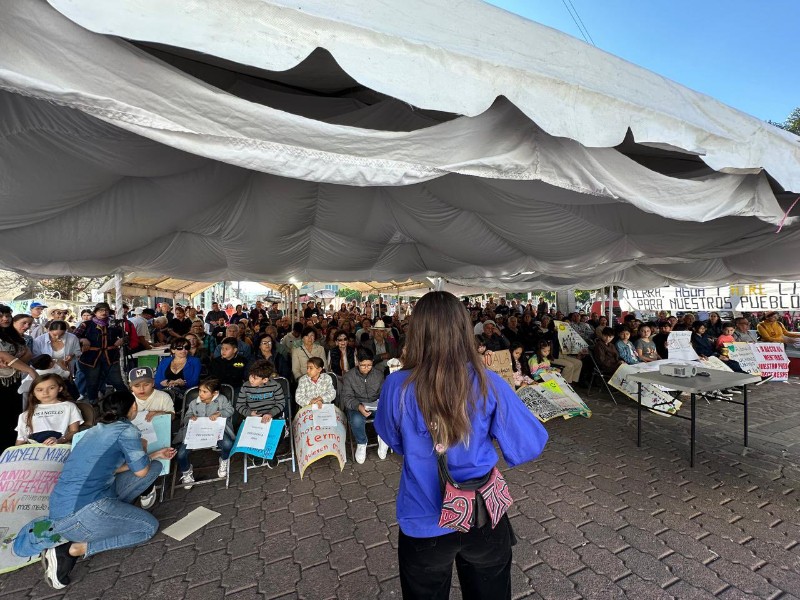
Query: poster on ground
<point x="312" y="442"/>
<point x="28" y="475"/>
<point x="652" y="395"/>
<point x="569" y="340"/>
<point x="553" y="398"/>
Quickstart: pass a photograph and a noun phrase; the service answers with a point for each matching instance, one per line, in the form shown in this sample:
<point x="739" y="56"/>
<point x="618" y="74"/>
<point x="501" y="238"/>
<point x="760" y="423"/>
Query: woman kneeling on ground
<point x="91" y="505"/>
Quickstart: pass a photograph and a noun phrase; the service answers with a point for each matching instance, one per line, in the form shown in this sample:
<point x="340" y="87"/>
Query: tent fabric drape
<point x="118" y="157"/>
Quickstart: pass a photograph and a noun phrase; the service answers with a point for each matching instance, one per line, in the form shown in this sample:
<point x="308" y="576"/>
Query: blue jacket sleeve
<point x="387" y="417"/>
<point x="520" y="435"/>
<point x="160" y="372"/>
<point x="191" y="372"/>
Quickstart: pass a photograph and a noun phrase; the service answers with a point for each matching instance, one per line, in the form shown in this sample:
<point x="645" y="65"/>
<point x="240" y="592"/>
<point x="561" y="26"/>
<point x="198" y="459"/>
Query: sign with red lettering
<point x="28" y="475"/>
<point x="772" y="360"/>
<point x="313" y="440"/>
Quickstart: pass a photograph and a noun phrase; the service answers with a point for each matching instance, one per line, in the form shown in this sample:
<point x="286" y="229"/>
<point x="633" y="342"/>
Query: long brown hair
<point x="33" y="401"/>
<point x="440" y="347"/>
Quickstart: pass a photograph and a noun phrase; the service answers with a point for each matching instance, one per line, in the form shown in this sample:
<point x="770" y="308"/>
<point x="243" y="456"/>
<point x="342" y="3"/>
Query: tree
<point x="64" y="288"/>
<point x="792" y="122"/>
<point x="348" y="294"/>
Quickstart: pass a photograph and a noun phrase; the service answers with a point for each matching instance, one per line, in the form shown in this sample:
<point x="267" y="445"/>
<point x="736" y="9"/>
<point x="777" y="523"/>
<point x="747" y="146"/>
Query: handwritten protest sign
<point x="257" y="438"/>
<point x="501" y="364"/>
<point x="569" y="340"/>
<point x="553" y="398"/>
<point x="742" y="353"/>
<point x="28" y="475"/>
<point x="744" y="298"/>
<point x="772" y="360"/>
<point x="679" y="346"/>
<point x="652" y="396"/>
<point x="145" y="427"/>
<point x="312" y="442"/>
<point x="204" y="433"/>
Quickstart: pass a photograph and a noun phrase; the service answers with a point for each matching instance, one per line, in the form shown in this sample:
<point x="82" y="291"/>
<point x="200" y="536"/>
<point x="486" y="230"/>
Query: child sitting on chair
<point x="148" y="398"/>
<point x="313" y="387"/>
<point x="210" y="403"/>
<point x="51" y="417"/>
<point x="261" y="396"/>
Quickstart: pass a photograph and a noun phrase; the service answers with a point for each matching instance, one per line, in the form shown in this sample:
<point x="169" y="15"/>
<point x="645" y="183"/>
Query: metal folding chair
<point x="597" y="373"/>
<point x="188" y="398"/>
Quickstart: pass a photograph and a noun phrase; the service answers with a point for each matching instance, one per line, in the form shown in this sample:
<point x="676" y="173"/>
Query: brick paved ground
<point x="596" y="517"/>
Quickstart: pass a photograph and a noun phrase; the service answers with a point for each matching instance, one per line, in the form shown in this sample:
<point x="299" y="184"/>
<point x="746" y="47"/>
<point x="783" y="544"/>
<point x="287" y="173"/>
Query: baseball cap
<point x="140" y="374"/>
<point x="37" y="305"/>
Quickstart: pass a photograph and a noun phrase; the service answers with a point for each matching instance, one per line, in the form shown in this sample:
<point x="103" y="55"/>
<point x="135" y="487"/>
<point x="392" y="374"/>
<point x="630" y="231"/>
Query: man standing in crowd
<point x="140" y="325"/>
<point x="214" y="315"/>
<point x="502" y="308"/>
<point x="275" y="314"/>
<point x="541" y="308"/>
<point x="100" y="344"/>
<point x="38" y="327"/>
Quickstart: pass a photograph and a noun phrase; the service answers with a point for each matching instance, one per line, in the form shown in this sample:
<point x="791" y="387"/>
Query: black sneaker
<point x="58" y="564"/>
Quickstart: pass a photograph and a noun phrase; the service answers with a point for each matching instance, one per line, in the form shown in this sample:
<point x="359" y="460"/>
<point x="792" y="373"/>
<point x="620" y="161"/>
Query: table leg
<point x="691" y="460"/>
<point x="744" y="394"/>
<point x="639" y="416"/>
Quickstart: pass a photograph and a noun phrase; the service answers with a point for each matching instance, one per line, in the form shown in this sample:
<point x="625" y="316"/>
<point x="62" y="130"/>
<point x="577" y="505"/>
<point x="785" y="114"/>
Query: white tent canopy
<point x="258" y="139"/>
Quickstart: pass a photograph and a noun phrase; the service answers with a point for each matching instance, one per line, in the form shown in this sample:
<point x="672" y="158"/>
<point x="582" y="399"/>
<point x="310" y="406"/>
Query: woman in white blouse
<point x="63" y="346"/>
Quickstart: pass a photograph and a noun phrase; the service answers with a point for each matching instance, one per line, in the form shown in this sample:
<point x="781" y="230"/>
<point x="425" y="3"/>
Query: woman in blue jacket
<point x="445" y="402"/>
<point x="180" y="371"/>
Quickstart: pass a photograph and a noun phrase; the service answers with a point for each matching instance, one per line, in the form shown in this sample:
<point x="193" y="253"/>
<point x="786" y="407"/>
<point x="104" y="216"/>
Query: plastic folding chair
<point x="597" y="373"/>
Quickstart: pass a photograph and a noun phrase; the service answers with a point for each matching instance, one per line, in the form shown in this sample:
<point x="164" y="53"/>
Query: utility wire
<point x="580" y="25"/>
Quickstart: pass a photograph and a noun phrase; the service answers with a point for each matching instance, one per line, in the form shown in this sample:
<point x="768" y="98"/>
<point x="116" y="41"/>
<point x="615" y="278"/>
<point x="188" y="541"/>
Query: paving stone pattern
<point x="596" y="517"/>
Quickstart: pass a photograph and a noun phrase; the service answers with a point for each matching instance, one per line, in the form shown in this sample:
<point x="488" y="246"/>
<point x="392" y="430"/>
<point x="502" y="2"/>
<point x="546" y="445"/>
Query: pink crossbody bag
<point x="472" y="503"/>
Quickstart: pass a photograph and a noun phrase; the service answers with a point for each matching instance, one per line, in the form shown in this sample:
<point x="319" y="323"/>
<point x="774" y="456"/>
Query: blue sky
<point x="745" y="53"/>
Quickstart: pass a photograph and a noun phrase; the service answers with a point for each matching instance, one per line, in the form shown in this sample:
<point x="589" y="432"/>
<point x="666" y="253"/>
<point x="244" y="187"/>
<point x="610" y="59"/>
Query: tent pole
<point x="118" y="295"/>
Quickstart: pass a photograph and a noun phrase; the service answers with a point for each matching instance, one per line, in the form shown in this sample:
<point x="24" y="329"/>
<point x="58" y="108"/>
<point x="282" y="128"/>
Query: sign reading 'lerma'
<point x="742" y="298"/>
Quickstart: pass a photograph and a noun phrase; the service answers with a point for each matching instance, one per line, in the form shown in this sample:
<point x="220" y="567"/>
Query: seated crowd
<point x="327" y="356"/>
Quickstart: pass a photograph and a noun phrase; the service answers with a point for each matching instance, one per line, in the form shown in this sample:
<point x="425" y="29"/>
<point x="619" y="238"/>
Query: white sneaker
<point x="187" y="479"/>
<point x="361" y="453"/>
<point x="223" y="468"/>
<point x="148" y="500"/>
<point x="383" y="449"/>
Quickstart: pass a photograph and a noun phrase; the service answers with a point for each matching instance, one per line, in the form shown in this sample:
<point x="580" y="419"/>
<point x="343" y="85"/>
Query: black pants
<point x="483" y="563"/>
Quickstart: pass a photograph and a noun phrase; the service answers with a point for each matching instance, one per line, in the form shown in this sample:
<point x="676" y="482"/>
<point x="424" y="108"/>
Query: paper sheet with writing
<point x="312" y="441"/>
<point x="553" y="398"/>
<point x="145" y="427"/>
<point x="679" y="346"/>
<point x="742" y="352"/>
<point x="257" y="438"/>
<point x="772" y="360"/>
<point x="569" y="340"/>
<point x="653" y="396"/>
<point x="204" y="433"/>
<point x="325" y="416"/>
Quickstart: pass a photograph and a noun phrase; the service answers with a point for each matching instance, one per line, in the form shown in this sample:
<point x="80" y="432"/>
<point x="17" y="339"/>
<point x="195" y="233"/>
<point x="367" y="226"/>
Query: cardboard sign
<point x="569" y="340"/>
<point x="501" y="364"/>
<point x="28" y="475"/>
<point x="652" y="396"/>
<point x="742" y="353"/>
<point x="204" y="433"/>
<point x="772" y="360"/>
<point x="312" y="442"/>
<point x="553" y="398"/>
<point x="679" y="346"/>
<point x="257" y="438"/>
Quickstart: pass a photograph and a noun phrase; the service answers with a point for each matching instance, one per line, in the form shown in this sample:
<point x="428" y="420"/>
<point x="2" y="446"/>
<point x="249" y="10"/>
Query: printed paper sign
<point x="204" y="433"/>
<point x="257" y="438"/>
<point x="325" y="416"/>
<point x="679" y="346"/>
<point x="772" y="360"/>
<point x="501" y="364"/>
<point x="28" y="475"/>
<point x="742" y="353"/>
<point x="312" y="442"/>
<point x="652" y="396"/>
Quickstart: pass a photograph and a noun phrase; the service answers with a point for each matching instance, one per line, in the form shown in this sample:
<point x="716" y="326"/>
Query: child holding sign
<point x="261" y="396"/>
<point x="210" y="403"/>
<point x="51" y="417"/>
<point x="312" y="387"/>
